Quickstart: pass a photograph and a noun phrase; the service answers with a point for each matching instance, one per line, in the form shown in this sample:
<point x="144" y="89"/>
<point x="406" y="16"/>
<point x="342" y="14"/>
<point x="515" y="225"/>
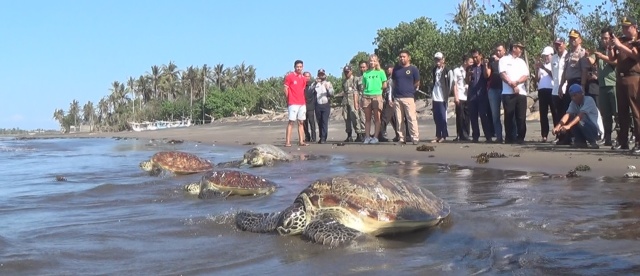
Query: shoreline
<point x="533" y="156"/>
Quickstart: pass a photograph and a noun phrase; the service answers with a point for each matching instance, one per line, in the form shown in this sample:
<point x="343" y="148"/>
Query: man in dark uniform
<point x="626" y="53"/>
<point x="310" y="122"/>
<point x="388" y="111"/>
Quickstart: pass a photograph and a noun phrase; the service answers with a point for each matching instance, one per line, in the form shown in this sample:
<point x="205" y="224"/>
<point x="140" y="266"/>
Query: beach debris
<point x="631" y="167"/>
<point x="583" y="168"/>
<point x="515" y="155"/>
<point x="632" y="175"/>
<point x="482" y="158"/>
<point x="60" y="178"/>
<point x="341" y="144"/>
<point x="249" y="143"/>
<point x="172" y="141"/>
<point x="572" y="173"/>
<point x="485" y="156"/>
<point x="599" y="159"/>
<point x="425" y="148"/>
<point x="431" y="156"/>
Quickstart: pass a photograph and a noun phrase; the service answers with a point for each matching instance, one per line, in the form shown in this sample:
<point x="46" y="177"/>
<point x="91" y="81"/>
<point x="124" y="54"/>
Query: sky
<point x="54" y="52"/>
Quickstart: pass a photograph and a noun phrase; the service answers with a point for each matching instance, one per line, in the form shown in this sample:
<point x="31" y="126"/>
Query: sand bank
<point x="533" y="156"/>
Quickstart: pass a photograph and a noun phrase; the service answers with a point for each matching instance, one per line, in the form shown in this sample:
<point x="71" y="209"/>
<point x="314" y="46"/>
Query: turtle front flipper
<point x="230" y="164"/>
<point x="257" y="222"/>
<point x="329" y="232"/>
<point x="213" y="193"/>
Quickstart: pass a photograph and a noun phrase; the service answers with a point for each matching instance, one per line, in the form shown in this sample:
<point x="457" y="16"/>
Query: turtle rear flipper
<point x="329" y="232"/>
<point x="230" y="164"/>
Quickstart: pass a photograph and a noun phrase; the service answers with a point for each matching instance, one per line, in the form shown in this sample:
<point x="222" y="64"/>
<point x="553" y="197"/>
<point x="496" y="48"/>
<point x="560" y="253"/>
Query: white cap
<point x="547" y="51"/>
<point x="438" y="55"/>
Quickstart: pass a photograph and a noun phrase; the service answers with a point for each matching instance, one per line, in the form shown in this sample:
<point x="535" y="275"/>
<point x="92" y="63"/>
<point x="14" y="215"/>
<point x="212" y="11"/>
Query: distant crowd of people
<point x="585" y="92"/>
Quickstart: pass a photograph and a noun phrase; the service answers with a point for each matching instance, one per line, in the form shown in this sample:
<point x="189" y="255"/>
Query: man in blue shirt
<point x="581" y="119"/>
<point x="406" y="80"/>
<point x="477" y="98"/>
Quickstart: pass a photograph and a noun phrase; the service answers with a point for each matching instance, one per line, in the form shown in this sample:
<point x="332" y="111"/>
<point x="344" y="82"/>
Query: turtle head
<point x="146" y="166"/>
<point x="293" y="220"/>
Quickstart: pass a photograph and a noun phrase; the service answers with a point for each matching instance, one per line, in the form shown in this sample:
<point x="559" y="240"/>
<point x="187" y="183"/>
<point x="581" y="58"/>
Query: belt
<point x="630" y="74"/>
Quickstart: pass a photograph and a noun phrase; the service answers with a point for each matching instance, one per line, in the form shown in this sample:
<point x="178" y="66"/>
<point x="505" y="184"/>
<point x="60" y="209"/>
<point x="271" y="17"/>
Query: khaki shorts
<point x="374" y="101"/>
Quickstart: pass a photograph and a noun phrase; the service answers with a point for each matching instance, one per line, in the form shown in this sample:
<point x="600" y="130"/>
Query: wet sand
<point x="533" y="156"/>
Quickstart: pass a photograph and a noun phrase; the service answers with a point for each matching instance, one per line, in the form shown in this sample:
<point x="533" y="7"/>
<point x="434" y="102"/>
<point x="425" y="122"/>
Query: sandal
<point x="287" y="145"/>
<point x="303" y="144"/>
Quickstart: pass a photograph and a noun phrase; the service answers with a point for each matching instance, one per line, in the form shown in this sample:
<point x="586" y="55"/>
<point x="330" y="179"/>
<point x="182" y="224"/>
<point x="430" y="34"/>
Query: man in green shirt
<point x="607" y="82"/>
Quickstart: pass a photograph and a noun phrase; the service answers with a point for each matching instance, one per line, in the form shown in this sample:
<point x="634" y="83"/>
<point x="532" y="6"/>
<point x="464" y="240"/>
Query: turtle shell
<point x="374" y="203"/>
<point x="237" y="182"/>
<point x="181" y="162"/>
<point x="270" y="151"/>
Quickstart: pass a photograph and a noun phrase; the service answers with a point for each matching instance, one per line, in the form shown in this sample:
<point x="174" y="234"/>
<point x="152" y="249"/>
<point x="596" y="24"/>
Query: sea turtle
<point x="335" y="210"/>
<point x="177" y="162"/>
<point x="260" y="155"/>
<point x="223" y="183"/>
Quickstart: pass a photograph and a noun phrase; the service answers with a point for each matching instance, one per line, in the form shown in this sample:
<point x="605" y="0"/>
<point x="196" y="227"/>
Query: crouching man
<point x="581" y="119"/>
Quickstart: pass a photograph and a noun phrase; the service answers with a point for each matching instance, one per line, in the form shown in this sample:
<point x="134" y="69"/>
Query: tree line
<point x="203" y="93"/>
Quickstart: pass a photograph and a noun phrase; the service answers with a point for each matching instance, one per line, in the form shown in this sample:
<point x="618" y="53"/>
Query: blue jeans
<point x="495" y="101"/>
<point x="440" y="119"/>
<point x="584" y="131"/>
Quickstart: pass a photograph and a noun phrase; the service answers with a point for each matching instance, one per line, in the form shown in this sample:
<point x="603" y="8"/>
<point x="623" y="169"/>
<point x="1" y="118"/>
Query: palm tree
<point x="87" y="114"/>
<point x="103" y="110"/>
<point x="143" y="88"/>
<point x="131" y="88"/>
<point x="218" y="75"/>
<point x="58" y="115"/>
<point x="170" y="76"/>
<point x="464" y="11"/>
<point x="191" y="79"/>
<point x="155" y="81"/>
<point x="204" y="75"/>
<point x="74" y="112"/>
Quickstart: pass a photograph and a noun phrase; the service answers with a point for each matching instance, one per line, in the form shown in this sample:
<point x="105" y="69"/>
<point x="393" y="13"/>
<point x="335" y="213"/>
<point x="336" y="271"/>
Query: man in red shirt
<point x="294" y="86"/>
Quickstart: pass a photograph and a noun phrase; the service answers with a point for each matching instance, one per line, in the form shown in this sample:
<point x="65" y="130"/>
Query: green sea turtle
<point x="260" y="155"/>
<point x="335" y="210"/>
<point x="224" y="183"/>
<point x="177" y="162"/>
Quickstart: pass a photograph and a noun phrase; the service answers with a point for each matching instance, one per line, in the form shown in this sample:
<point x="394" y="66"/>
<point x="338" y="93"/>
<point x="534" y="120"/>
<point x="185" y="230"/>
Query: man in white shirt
<point x="442" y="82"/>
<point x="545" y="91"/>
<point x="514" y="73"/>
<point x="460" y="87"/>
<point x="581" y="119"/>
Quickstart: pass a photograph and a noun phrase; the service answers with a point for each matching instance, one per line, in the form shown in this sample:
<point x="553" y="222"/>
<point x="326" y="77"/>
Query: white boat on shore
<point x="146" y="125"/>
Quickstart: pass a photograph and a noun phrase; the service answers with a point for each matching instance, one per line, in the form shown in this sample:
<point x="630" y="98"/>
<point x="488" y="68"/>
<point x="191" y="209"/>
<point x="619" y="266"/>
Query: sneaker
<point x="415" y="142"/>
<point x="367" y="140"/>
<point x="373" y="140"/>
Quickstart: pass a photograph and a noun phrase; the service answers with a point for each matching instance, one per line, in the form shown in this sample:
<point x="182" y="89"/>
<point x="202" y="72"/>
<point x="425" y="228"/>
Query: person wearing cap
<point x="576" y="70"/>
<point x="607" y="83"/>
<point x="350" y="104"/>
<point x="324" y="92"/>
<point x="545" y="87"/>
<point x="442" y="78"/>
<point x="388" y="110"/>
<point x="294" y="85"/>
<point x="627" y="54"/>
<point x="495" y="90"/>
<point x="364" y="67"/>
<point x="581" y="118"/>
<point x="406" y="80"/>
<point x="514" y="73"/>
<point x="310" y="98"/>
<point x="557" y="65"/>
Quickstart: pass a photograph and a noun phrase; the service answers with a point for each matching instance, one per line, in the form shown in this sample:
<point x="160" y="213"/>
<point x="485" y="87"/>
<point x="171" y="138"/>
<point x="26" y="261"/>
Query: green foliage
<point x="233" y="102"/>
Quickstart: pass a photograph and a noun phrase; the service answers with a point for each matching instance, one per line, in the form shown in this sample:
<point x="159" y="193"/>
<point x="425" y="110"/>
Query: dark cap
<point x="321" y="72"/>
<point x="628" y="21"/>
<point x="518" y="44"/>
<point x="575" y="89"/>
<point x="574" y="34"/>
<point x="347" y="68"/>
<point x="559" y="40"/>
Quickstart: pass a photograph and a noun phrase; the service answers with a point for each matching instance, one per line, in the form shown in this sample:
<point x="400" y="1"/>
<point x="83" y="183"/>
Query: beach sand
<point x="532" y="157"/>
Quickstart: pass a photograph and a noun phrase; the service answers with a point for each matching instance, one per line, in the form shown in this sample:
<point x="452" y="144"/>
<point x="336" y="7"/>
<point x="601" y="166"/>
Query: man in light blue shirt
<point x="581" y="119"/>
